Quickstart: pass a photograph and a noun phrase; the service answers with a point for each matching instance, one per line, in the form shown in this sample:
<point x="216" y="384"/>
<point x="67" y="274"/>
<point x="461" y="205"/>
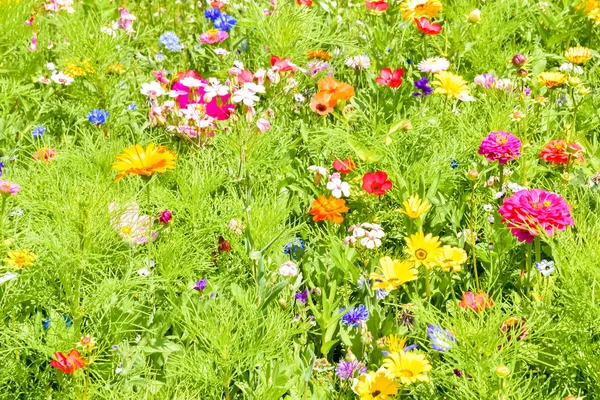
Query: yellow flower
<point x="414" y="207"/>
<point x="395" y="343"/>
<point x="451" y="258"/>
<point x="423" y="250"/>
<point x="116" y="69"/>
<point x="411" y="9"/>
<point x="88" y="343"/>
<point x="394" y="274"/>
<point x="578" y="55"/>
<point x="449" y="84"/>
<point x="137" y="161"/>
<point x="375" y="386"/>
<point x="20" y="258"/>
<point x="408" y="367"/>
<point x="552" y="79"/>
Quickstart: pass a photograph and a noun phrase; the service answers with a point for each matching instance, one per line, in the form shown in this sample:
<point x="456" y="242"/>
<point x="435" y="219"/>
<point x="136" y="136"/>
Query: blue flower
<point x="545" y="267"/>
<point x="346" y="369"/>
<point x="224" y="22"/>
<point x="171" y="41"/>
<point x="38" y="131"/>
<point x="294" y="248"/>
<point x="68" y="322"/>
<point x="354" y="316"/>
<point x="46" y="323"/>
<point x="2" y="166"/>
<point x="132" y="107"/>
<point x="159" y="57"/>
<point x="200" y="285"/>
<point x="302" y="297"/>
<point x="421" y="85"/>
<point x="381" y="294"/>
<point x="441" y="339"/>
<point x="454" y="164"/>
<point x="212" y="13"/>
<point x="98" y="116"/>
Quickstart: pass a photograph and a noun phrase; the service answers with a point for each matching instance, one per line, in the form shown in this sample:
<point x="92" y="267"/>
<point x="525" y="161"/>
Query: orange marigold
<point x="328" y="208"/>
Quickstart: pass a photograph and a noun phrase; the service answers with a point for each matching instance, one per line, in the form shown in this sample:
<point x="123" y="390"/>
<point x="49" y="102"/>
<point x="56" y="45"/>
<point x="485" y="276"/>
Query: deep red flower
<point x="427" y="27"/>
<point x="388" y="78"/>
<point x="283" y="64"/>
<point x="377" y="6"/>
<point x="344" y="167"/>
<point x="304" y="2"/>
<point x="376" y="183"/>
<point x="558" y="152"/>
<point x="68" y="363"/>
<point x="224" y="246"/>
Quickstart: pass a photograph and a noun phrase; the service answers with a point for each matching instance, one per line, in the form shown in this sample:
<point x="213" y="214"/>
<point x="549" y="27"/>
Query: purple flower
<point x="165" y="217"/>
<point x="200" y="285"/>
<point x="421" y="85"/>
<point x="354" y="316"/>
<point x="346" y="369"/>
<point x="302" y="297"/>
<point x="441" y="339"/>
<point x="2" y="166"/>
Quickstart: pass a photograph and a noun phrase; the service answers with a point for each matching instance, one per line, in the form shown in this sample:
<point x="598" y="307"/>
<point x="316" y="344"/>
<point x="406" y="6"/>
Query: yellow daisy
<point x="394" y="273"/>
<point x="20" y="258"/>
<point x="137" y="161"/>
<point x="423" y="250"/>
<point x="375" y="386"/>
<point x="451" y="258"/>
<point x="451" y="85"/>
<point x="407" y="367"/>
<point x="578" y="55"/>
<point x="414" y="207"/>
<point x="552" y="79"/>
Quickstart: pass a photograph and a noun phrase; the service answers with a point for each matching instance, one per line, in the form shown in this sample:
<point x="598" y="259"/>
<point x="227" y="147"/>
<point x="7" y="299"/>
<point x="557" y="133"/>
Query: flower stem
<point x="528" y="267"/>
<point x="2" y="209"/>
<point x="427" y="285"/>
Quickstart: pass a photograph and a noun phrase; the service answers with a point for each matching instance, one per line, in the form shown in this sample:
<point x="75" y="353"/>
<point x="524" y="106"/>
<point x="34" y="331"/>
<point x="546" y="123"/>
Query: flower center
<point x="547" y="203"/>
<point x="406" y="373"/>
<point x="126" y="230"/>
<point x="376" y="393"/>
<point x="501" y="139"/>
<point x="321" y="107"/>
<point x="375" y="186"/>
<point x="421" y="254"/>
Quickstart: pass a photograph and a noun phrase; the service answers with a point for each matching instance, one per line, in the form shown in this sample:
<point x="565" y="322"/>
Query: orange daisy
<point x="328" y="208"/>
<point x="137" y="161"/>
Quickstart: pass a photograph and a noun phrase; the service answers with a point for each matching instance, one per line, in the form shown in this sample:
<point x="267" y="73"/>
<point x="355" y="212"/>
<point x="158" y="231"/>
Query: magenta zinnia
<point x="500" y="146"/>
<point x="531" y="212"/>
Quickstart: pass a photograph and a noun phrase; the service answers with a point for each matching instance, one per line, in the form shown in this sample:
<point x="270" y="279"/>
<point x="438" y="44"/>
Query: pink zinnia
<point x="213" y="36"/>
<point x="531" y="212"/>
<point x="500" y="146"/>
<point x="476" y="301"/>
<point x="7" y="188"/>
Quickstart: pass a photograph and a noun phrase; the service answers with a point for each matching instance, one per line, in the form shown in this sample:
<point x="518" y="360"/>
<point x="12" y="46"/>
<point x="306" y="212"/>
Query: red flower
<point x="377" y="6"/>
<point x="376" y="183"/>
<point x="224" y="246"/>
<point x="283" y="64"/>
<point x="557" y="152"/>
<point x="307" y="3"/>
<point x="69" y="363"/>
<point x="344" y="167"/>
<point x="387" y="78"/>
<point x="476" y="301"/>
<point x="427" y="27"/>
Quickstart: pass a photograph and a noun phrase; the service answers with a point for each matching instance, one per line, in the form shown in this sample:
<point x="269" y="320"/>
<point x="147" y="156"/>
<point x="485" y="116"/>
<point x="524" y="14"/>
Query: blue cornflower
<point x="46" y="323"/>
<point x="159" y="57"/>
<point x="132" y="107"/>
<point x="98" y="116"/>
<point x="408" y="61"/>
<point x="212" y="13"/>
<point x="354" y="316"/>
<point x="346" y="369"/>
<point x="454" y="164"/>
<point x="38" y="131"/>
<point x="545" y="267"/>
<point x="200" y="285"/>
<point x="171" y="41"/>
<point x="68" y="322"/>
<point x="562" y="100"/>
<point x="421" y="85"/>
<point x="224" y="22"/>
<point x="441" y="339"/>
<point x="381" y="294"/>
<point x="294" y="248"/>
<point x="2" y="166"/>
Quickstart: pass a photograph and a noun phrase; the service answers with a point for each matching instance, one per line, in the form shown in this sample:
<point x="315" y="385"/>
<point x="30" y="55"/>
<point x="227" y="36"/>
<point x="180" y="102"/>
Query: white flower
<point x="319" y="170"/>
<point x="288" y="269"/>
<point x="299" y="98"/>
<point x="247" y="94"/>
<point x="62" y="78"/>
<point x="214" y="89"/>
<point x="337" y="187"/>
<point x="568" y="67"/>
<point x="434" y="64"/>
<point x="504" y="84"/>
<point x="9" y="276"/>
<point x="152" y="90"/>
<point x="236" y="226"/>
<point x="515" y="187"/>
<point x="464" y="96"/>
<point x="132" y="226"/>
<point x="191" y="82"/>
<point x="349" y="240"/>
<point x="488" y="207"/>
<point x="359" y="62"/>
<point x="357" y="231"/>
<point x="373" y="235"/>
<point x="143" y="272"/>
<point x="51" y="66"/>
<point x="263" y="125"/>
<point x="221" y="52"/>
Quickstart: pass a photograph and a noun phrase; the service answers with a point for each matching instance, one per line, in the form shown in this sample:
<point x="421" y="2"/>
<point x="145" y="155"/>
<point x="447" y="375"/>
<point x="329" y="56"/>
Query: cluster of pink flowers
<point x="529" y="213"/>
<point x="500" y="146"/>
<point x="367" y="234"/>
<point x="8" y="188"/>
<point x="491" y="81"/>
<point x="59" y="5"/>
<point x="213" y="36"/>
<point x="124" y="23"/>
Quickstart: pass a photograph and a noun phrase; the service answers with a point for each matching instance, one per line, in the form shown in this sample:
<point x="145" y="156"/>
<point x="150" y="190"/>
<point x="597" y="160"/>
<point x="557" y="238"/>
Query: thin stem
<point x="528" y="267"/>
<point x="2" y="209"/>
<point x="427" y="285"/>
<point x="472" y="229"/>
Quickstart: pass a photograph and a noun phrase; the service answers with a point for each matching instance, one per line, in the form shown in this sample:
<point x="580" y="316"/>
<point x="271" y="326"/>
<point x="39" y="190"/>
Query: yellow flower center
<point x="547" y="203"/>
<point x="126" y="230"/>
<point x="420" y="254"/>
<point x="501" y="139"/>
<point x="406" y="373"/>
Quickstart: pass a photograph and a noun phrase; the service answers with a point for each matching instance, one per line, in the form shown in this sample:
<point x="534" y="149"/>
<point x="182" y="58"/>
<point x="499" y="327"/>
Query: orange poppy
<point x="338" y="90"/>
<point x="318" y="54"/>
<point x="328" y="208"/>
<point x="322" y="103"/>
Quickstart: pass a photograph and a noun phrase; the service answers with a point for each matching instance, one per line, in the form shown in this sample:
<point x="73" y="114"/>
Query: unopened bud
<point x="518" y="60"/>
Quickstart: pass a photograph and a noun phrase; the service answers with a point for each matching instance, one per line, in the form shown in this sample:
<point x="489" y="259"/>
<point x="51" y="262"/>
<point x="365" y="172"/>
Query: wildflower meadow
<point x="300" y="199"/>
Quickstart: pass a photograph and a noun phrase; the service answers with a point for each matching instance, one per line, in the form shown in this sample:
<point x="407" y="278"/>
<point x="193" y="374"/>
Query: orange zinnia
<point x="318" y="54"/>
<point x="328" y="208"/>
<point x="137" y="161"/>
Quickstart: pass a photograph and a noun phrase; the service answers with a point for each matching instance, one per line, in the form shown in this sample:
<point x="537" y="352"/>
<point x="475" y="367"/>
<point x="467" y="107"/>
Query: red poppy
<point x="218" y="4"/>
<point x="427" y="27"/>
<point x="283" y="64"/>
<point x="387" y="78"/>
<point x="224" y="246"/>
<point x="376" y="183"/>
<point x="377" y="6"/>
<point x="344" y="167"/>
<point x="68" y="363"/>
<point x="304" y="2"/>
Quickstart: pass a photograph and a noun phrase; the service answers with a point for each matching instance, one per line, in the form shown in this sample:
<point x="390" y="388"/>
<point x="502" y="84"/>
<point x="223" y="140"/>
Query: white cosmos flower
<point x="152" y="90"/>
<point x="62" y="79"/>
<point x="214" y="89"/>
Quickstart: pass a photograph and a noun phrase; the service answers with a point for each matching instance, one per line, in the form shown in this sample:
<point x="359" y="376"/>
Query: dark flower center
<point x="421" y="254"/>
<point x="321" y="107"/>
<point x="376" y="393"/>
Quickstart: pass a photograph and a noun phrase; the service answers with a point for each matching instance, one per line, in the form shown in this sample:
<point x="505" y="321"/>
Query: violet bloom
<point x="126" y="20"/>
<point x="485" y="80"/>
<point x="354" y="316"/>
<point x="500" y="146"/>
<point x="421" y="85"/>
<point x="200" y="285"/>
<point x="346" y="369"/>
<point x="441" y="339"/>
<point x="2" y="166"/>
<point x="302" y="297"/>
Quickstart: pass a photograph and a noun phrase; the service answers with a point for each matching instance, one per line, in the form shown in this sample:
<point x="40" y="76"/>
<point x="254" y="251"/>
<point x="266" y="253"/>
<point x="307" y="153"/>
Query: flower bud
<point x="583" y="91"/>
<point x="282" y="303"/>
<point x="522" y="73"/>
<point x="574" y="81"/>
<point x="502" y="371"/>
<point x="473" y="174"/>
<point x="474" y="16"/>
<point x="165" y="217"/>
<point x="519" y="59"/>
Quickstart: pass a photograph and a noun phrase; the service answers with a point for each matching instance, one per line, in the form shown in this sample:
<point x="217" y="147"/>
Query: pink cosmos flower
<point x="283" y="64"/>
<point x="476" y="301"/>
<point x="160" y="76"/>
<point x="126" y="20"/>
<point x="213" y="36"/>
<point x="288" y="268"/>
<point x="485" y="80"/>
<point x="528" y="213"/>
<point x="132" y="226"/>
<point x="501" y="146"/>
<point x="217" y="108"/>
<point x="8" y="188"/>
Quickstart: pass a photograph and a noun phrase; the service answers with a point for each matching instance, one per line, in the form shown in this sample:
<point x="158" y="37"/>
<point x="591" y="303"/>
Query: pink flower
<point x="476" y="301"/>
<point x="213" y="36"/>
<point x="160" y="76"/>
<point x="528" y="213"/>
<point x="283" y="64"/>
<point x="165" y="217"/>
<point x="216" y="108"/>
<point x="8" y="188"/>
<point x="500" y="146"/>
<point x="33" y="46"/>
<point x="126" y="20"/>
<point x="288" y="269"/>
<point x="388" y="78"/>
<point x="263" y="125"/>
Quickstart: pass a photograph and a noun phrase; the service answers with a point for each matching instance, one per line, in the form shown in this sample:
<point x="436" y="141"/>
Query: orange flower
<point x="328" y="208"/>
<point x="318" y="54"/>
<point x="137" y="161"/>
<point x="322" y="103"/>
<point x="330" y="92"/>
